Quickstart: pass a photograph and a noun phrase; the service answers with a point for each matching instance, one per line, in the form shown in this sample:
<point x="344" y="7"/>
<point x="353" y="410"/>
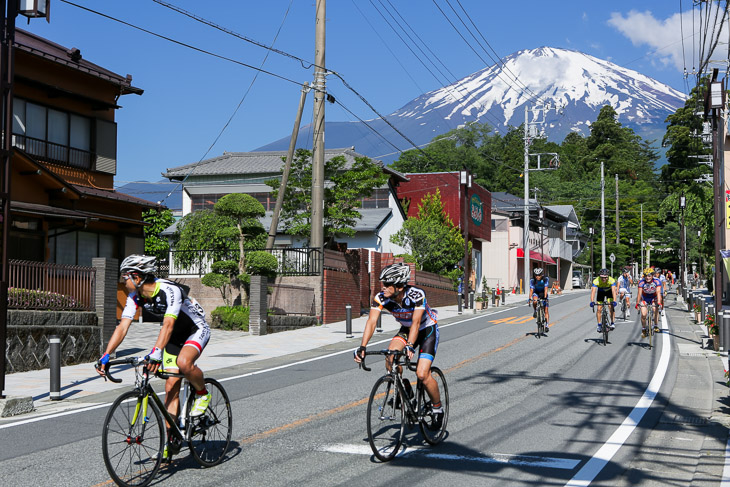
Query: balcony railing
<point x="55" y="153"/>
<point x="292" y="261"/>
<point x="48" y="286"/>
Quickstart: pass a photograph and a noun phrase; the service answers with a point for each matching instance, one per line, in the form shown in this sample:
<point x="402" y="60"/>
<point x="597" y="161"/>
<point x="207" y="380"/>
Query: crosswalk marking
<point x="490" y="458"/>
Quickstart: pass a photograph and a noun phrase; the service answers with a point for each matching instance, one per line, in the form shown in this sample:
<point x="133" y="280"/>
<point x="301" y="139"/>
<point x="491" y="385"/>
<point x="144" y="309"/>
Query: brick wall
<point x="342" y="275"/>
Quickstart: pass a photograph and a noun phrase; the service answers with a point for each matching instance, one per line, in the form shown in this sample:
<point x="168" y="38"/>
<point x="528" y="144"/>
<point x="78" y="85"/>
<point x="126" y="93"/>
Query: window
<point x="57" y="136"/>
<point x="78" y="248"/>
<point x="379" y="199"/>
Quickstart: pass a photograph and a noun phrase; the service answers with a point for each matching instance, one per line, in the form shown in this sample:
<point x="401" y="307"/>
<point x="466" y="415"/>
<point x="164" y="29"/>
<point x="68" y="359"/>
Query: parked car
<point x="578" y="280"/>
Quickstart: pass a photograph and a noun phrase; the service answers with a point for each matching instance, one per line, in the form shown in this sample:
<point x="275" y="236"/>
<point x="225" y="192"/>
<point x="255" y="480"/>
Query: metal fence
<point x="48" y="286"/>
<point x="291" y="261"/>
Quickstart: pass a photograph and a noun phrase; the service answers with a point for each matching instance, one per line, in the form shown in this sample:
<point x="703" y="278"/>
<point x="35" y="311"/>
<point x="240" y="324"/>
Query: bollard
<point x="471" y="299"/>
<point x="724" y="326"/>
<point x="494" y="297"/>
<point x="690" y="301"/>
<point x="55" y="356"/>
<point x="458" y="303"/>
<point x="379" y="326"/>
<point x="504" y="297"/>
<point x="348" y="328"/>
<point x="703" y="308"/>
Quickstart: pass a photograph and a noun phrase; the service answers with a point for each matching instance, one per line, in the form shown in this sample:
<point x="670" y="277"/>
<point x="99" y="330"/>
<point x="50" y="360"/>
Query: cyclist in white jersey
<point x="419" y="329"/>
<point x="624" y="290"/>
<point x="184" y="332"/>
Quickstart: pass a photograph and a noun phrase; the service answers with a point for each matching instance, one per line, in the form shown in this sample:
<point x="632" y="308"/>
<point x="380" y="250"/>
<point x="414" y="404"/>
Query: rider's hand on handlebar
<point x="591" y="304"/>
<point x="410" y="351"/>
<point x="155" y="360"/>
<point x="101" y="363"/>
<point x="359" y="354"/>
<point x="614" y="303"/>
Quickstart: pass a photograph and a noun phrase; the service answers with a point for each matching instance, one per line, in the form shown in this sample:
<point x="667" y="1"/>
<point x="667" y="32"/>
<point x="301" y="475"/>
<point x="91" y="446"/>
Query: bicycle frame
<point x="412" y="415"/>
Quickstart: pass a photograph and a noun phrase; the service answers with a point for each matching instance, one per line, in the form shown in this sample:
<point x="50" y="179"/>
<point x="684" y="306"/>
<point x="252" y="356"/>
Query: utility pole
<point x="316" y="239"/>
<point x="465" y="180"/>
<point x="617" y="228"/>
<point x="603" y="219"/>
<point x="641" y="250"/>
<point x="526" y="228"/>
<point x="287" y="168"/>
<point x="682" y="204"/>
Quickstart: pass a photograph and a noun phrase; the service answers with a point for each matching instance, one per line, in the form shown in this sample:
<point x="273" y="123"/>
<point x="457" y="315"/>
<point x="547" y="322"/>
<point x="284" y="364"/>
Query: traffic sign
<point x="611" y="257"/>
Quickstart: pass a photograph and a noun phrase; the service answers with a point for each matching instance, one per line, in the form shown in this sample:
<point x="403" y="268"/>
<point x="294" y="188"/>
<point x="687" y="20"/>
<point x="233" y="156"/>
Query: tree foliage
<point x="345" y="187"/>
<point x="157" y="221"/>
<point x="435" y="243"/>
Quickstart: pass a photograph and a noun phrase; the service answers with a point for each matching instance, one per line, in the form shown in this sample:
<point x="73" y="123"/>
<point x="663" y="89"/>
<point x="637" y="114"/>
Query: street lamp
<point x="631" y="243"/>
<point x="590" y="231"/>
<point x="10" y="10"/>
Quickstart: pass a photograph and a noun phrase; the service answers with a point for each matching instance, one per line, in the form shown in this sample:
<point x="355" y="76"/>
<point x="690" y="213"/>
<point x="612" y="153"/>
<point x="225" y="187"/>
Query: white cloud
<point x="663" y="36"/>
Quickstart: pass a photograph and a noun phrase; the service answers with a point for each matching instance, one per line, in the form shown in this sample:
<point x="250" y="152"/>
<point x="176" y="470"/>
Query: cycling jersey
<point x="539" y="285"/>
<point x="604" y="285"/>
<point x="169" y="299"/>
<point x="650" y="288"/>
<point x="624" y="284"/>
<point x="414" y="298"/>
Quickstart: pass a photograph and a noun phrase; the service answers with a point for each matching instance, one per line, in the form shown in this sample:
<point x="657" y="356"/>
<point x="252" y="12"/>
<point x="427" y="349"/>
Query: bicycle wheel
<point x="540" y="321"/>
<point x="650" y="324"/>
<point x="209" y="434"/>
<point x="131" y="443"/>
<point x="604" y="325"/>
<point x="431" y="432"/>
<point x="385" y="419"/>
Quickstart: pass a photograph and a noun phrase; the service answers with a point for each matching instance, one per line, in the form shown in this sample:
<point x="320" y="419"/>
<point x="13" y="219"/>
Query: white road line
<point x="489" y="458"/>
<point x="604" y="454"/>
<point x="263" y="371"/>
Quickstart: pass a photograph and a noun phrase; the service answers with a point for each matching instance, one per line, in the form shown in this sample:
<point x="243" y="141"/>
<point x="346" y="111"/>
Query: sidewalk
<point x="225" y="349"/>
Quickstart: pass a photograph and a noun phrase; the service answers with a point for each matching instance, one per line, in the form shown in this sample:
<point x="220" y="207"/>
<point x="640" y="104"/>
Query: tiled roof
<point x="114" y="195"/>
<point x="265" y="162"/>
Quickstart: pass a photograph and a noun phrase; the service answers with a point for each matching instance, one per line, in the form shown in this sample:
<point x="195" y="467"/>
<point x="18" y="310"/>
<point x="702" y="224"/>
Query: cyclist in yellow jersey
<point x="604" y="287"/>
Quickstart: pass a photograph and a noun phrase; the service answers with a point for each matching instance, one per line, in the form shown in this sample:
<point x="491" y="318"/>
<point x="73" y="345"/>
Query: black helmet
<point x="396" y="274"/>
<point x="603" y="272"/>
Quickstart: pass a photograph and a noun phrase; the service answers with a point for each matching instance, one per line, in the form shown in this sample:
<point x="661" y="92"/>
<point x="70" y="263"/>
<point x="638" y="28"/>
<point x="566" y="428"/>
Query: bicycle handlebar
<point x="129" y="360"/>
<point x="395" y="353"/>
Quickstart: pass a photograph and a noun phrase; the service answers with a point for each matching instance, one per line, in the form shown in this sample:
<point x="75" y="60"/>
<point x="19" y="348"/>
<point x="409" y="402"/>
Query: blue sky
<point x="190" y="96"/>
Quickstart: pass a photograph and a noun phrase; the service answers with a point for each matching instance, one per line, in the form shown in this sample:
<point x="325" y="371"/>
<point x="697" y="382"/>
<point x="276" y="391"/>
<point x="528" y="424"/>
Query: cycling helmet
<point x="648" y="271"/>
<point x="603" y="272"/>
<point x="396" y="274"/>
<point x="140" y="264"/>
<point x="538" y="271"/>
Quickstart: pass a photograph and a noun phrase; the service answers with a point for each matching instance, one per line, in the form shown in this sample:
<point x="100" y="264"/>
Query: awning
<point x="536" y="256"/>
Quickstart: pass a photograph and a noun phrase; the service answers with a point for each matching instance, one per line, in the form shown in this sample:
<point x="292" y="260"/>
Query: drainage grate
<point x="676" y="419"/>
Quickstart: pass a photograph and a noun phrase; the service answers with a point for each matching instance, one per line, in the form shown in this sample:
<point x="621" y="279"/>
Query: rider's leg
<point x="172" y="395"/>
<point x="547" y="313"/>
<point x="186" y="363"/>
<point x="397" y="343"/>
<point x="644" y="310"/>
<point x="423" y="372"/>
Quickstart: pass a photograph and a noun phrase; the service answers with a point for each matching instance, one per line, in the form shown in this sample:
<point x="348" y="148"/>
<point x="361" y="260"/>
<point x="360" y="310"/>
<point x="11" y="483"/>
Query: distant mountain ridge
<point x="579" y="83"/>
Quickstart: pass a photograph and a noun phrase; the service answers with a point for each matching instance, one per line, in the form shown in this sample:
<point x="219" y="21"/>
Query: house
<point x="204" y="183"/>
<point x="547" y="240"/>
<point x="64" y="208"/>
<point x="465" y="204"/>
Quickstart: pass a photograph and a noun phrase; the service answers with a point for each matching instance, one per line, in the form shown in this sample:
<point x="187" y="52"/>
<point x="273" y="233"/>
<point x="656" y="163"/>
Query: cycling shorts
<point x="544" y="300"/>
<point x="179" y="339"/>
<point x="624" y="291"/>
<point x="427" y="341"/>
<point x="649" y="298"/>
<point x="604" y="294"/>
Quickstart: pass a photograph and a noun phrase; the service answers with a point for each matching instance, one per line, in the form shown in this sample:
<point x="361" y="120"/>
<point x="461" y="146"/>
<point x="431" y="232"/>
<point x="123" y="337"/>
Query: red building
<point x="469" y="208"/>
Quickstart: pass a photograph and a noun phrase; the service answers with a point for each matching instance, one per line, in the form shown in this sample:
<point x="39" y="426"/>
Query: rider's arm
<point x="367" y="334"/>
<point x="168" y="323"/>
<point x="118" y="336"/>
<point x="593" y="293"/>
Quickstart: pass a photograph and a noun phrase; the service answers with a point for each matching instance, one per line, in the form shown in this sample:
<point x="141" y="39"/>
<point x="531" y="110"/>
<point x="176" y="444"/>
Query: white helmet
<point x="538" y="271"/>
<point x="396" y="274"/>
<point x="142" y="264"/>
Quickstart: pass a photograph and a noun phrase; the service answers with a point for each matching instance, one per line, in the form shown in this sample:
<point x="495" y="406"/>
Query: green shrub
<point x="261" y="263"/>
<point x="230" y="318"/>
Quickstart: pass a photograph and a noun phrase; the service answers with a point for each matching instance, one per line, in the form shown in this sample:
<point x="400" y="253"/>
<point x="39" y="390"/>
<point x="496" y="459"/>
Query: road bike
<point x="391" y="407"/>
<point x="605" y="320"/>
<point x="540" y="318"/>
<point x="650" y="321"/>
<point x="133" y="437"/>
<point x="624" y="304"/>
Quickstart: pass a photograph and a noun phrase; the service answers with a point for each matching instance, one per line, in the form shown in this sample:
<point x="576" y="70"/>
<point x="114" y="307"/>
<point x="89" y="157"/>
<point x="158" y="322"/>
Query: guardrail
<point x="304" y="261"/>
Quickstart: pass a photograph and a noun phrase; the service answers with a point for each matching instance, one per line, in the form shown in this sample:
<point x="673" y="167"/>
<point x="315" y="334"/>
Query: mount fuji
<point x="577" y="83"/>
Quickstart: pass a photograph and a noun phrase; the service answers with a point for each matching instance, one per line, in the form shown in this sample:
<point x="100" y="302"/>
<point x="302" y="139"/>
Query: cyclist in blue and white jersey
<point x="419" y="328"/>
<point x="184" y="333"/>
<point x="624" y="290"/>
<point x="539" y="290"/>
<point x="650" y="294"/>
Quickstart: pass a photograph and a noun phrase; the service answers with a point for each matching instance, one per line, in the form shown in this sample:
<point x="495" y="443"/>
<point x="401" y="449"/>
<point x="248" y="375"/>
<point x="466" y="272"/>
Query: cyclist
<point x="183" y="335"/>
<point x="604" y="287"/>
<point x="658" y="274"/>
<point x="650" y="294"/>
<point x="539" y="288"/>
<point x="624" y="290"/>
<point x="418" y="329"/>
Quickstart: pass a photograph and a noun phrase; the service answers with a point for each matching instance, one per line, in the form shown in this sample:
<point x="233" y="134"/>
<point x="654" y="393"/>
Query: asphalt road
<point x="523" y="411"/>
